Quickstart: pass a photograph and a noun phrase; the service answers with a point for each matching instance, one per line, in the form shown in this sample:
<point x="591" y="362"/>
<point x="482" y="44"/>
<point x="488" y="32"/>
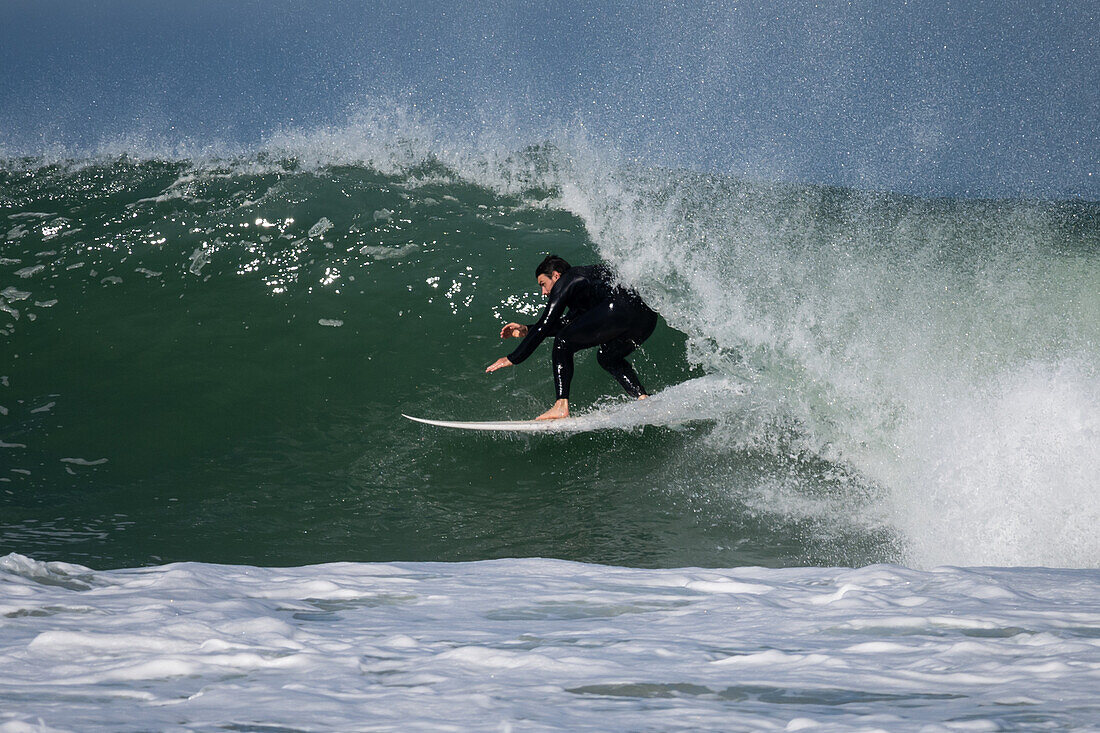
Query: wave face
<point x="209" y="355"/>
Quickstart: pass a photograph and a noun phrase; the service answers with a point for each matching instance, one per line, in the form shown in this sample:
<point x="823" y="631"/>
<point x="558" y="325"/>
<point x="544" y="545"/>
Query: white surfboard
<point x="703" y="399"/>
<point x="578" y="424"/>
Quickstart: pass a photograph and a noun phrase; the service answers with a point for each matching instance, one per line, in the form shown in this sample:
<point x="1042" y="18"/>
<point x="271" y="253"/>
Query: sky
<point x="934" y="98"/>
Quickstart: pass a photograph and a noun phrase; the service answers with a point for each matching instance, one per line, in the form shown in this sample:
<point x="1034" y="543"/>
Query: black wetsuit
<point x="599" y="314"/>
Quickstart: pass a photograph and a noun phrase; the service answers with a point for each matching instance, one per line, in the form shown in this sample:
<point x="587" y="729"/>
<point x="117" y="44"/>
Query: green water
<point x="238" y="428"/>
<point x="209" y="362"/>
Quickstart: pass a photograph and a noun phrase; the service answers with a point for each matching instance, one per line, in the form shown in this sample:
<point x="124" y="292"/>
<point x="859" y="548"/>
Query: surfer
<point x="600" y="313"/>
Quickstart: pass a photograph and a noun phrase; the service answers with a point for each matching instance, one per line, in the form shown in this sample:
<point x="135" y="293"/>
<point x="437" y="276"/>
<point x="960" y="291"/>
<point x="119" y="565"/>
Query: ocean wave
<point x="880" y="334"/>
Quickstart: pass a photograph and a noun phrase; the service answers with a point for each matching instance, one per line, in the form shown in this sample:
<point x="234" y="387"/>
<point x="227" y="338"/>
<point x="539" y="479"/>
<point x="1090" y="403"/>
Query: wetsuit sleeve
<point x="553" y="319"/>
<point x="552" y="329"/>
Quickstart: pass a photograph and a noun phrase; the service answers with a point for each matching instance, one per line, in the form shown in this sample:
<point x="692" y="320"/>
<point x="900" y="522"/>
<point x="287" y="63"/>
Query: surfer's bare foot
<point x="558" y="411"/>
<point x="642" y="396"/>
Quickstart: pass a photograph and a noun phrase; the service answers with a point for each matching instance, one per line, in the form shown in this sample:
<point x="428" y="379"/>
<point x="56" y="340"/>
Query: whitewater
<point x="546" y="645"/>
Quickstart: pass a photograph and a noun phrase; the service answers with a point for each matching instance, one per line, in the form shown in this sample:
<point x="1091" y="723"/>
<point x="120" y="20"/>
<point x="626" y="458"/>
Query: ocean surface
<point x="214" y="517"/>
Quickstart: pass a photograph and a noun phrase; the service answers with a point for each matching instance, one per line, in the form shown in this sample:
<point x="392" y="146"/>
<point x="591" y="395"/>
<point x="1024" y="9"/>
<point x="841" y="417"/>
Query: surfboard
<point x="564" y="425"/>
<point x="703" y="399"/>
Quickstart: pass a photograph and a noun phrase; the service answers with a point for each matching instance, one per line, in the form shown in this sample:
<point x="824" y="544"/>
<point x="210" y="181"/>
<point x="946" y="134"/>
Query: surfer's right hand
<point x="500" y="363"/>
<point x="513" y="330"/>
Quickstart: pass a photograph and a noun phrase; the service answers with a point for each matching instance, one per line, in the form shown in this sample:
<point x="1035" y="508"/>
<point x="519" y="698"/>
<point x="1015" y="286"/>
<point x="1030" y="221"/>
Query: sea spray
<point x="945" y="351"/>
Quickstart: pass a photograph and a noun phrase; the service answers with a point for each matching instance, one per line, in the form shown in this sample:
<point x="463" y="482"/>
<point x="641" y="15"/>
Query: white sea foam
<point x="318" y="229"/>
<point x="389" y="253"/>
<point x="545" y="645"/>
<point x="199" y="259"/>
<point x="30" y="271"/>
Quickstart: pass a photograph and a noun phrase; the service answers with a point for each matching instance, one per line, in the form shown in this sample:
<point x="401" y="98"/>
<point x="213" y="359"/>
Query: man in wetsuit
<point x="600" y="313"/>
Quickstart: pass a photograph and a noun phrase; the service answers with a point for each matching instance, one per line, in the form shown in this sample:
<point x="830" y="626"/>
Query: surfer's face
<point x="546" y="282"/>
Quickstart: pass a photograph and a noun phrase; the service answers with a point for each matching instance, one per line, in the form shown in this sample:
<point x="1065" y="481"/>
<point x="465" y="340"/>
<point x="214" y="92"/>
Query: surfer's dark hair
<point x="550" y="265"/>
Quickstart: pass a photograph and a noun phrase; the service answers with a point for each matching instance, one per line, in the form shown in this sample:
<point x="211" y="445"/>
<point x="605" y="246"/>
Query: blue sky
<point x="990" y="99"/>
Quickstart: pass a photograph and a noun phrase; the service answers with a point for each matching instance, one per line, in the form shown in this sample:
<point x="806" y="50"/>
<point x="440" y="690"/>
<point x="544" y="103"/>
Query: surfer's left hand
<point x="498" y="364"/>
